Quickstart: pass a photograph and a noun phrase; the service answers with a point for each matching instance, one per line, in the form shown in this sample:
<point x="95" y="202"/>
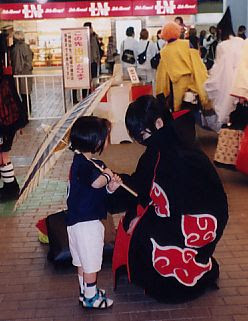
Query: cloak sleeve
<point x="240" y="87"/>
<point x="162" y="79"/>
<point x="200" y="75"/>
<point x="140" y="181"/>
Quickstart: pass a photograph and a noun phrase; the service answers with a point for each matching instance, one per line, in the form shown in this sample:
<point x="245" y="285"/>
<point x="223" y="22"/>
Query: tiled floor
<point x="32" y="289"/>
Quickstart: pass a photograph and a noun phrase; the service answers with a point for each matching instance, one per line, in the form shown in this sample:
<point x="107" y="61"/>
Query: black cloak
<point x="182" y="209"/>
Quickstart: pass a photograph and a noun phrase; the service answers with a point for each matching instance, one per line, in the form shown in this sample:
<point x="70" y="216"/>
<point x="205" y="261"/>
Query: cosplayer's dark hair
<point x="89" y="133"/>
<point x="142" y="114"/>
<point x="130" y="31"/>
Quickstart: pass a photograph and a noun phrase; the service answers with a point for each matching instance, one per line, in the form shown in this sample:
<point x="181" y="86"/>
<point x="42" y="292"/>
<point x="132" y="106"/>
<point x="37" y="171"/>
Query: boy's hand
<point x="114" y="183"/>
<point x="108" y="171"/>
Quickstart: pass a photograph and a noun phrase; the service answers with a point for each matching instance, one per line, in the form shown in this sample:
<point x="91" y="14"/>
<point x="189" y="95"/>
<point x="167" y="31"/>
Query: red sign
<point x="161" y="7"/>
<point x="51" y="10"/>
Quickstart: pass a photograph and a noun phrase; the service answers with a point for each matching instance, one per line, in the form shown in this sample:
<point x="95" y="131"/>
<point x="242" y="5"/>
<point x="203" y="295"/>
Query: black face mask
<point x="139" y="137"/>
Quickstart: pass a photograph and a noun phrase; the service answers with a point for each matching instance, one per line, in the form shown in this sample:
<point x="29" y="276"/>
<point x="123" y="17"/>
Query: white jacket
<point x="131" y="44"/>
<point x="145" y="70"/>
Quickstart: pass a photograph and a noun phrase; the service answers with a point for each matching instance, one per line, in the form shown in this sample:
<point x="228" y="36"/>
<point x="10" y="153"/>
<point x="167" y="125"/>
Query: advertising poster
<point x="75" y="57"/>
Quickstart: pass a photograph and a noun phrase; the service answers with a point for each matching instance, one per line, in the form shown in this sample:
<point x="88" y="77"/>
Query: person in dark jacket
<point x="21" y="60"/>
<point x="12" y="118"/>
<point x="170" y="231"/>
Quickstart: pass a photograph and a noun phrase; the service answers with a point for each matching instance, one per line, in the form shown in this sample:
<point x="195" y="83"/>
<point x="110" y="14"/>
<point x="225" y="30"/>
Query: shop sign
<point x="78" y="9"/>
<point x="162" y="7"/>
<point x="76" y="65"/>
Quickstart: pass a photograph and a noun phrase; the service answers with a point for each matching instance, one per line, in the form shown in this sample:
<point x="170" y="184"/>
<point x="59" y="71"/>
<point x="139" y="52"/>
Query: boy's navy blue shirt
<point x="84" y="202"/>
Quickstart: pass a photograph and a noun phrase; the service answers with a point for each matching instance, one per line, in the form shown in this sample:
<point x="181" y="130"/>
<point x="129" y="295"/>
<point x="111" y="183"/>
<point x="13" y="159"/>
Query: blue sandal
<point x="99" y="301"/>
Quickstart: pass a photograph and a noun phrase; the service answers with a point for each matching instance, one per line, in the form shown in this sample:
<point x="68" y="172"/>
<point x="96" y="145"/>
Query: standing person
<point x="170" y="231"/>
<point x="179" y="21"/>
<point x="94" y="51"/>
<point x="12" y="118"/>
<point x="87" y="191"/>
<point x="241" y="32"/>
<point x="101" y="51"/>
<point x="21" y="60"/>
<point x="221" y="77"/>
<point x="203" y="50"/>
<point x="180" y="69"/>
<point x="145" y="70"/>
<point x="210" y="43"/>
<point x="160" y="42"/>
<point x="111" y="53"/>
<point x="193" y="39"/>
<point x="128" y="52"/>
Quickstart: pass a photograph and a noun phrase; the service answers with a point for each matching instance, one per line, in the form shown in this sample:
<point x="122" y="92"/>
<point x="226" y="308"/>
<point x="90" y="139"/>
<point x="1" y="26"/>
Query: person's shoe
<point x="99" y="301"/>
<point x="9" y="191"/>
<point x="81" y="295"/>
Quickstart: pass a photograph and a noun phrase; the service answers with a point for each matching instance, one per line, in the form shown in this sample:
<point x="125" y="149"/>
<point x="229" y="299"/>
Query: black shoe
<point x="9" y="192"/>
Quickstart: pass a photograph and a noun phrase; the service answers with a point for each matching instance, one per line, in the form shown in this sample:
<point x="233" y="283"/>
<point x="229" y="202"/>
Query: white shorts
<point x="86" y="241"/>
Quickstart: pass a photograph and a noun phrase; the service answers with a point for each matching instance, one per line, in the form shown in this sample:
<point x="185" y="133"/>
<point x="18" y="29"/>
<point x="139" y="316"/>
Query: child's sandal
<point x="99" y="301"/>
<point x="102" y="292"/>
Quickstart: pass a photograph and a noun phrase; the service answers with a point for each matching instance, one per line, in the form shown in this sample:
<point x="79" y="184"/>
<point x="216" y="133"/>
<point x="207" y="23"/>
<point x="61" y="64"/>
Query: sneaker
<point x="99" y="301"/>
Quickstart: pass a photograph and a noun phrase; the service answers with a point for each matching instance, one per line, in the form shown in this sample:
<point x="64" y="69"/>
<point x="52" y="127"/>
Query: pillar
<point x="239" y="10"/>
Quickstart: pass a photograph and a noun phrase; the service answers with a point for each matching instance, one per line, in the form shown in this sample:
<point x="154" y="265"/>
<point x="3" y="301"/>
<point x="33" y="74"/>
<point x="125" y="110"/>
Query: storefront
<point x="42" y="23"/>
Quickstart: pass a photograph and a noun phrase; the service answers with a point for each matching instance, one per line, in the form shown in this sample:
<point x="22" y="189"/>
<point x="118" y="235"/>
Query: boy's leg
<point x="94" y="298"/>
<point x="89" y="284"/>
<point x="81" y="280"/>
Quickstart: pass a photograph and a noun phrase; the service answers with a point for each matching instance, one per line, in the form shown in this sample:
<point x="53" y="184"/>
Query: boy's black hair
<point x="142" y="114"/>
<point x="89" y="133"/>
<point x="130" y="31"/>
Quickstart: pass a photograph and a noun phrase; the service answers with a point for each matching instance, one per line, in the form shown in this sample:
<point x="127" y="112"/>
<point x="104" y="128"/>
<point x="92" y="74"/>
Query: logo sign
<point x="164" y="7"/>
<point x="76" y="64"/>
<point x="51" y="10"/>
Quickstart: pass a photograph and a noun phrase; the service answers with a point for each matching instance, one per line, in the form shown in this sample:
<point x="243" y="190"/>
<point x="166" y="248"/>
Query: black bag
<point x="239" y="117"/>
<point x="142" y="56"/>
<point x="128" y="56"/>
<point x="59" y="251"/>
<point x="156" y="59"/>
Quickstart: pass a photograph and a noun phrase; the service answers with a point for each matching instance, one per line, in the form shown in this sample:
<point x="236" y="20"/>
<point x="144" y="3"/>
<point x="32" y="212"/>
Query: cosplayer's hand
<point x="133" y="224"/>
<point x="115" y="182"/>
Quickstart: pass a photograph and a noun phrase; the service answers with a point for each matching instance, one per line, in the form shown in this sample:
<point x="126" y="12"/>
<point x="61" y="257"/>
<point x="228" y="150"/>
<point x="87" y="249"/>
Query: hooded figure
<point x="180" y="69"/>
<point x="170" y="231"/>
<point x="222" y="74"/>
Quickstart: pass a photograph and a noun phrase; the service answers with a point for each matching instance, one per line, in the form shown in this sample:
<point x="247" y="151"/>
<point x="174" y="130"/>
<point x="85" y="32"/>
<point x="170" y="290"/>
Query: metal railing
<point x="48" y="99"/>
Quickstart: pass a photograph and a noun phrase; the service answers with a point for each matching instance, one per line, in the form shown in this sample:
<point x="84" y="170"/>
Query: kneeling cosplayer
<point x="169" y="233"/>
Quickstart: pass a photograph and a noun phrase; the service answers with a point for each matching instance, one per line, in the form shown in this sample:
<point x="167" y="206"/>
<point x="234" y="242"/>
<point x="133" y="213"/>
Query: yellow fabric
<point x="186" y="70"/>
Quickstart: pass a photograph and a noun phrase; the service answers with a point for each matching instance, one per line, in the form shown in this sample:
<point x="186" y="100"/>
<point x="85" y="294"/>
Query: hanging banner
<point x="76" y="53"/>
<point x="80" y="9"/>
<point x="160" y="7"/>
